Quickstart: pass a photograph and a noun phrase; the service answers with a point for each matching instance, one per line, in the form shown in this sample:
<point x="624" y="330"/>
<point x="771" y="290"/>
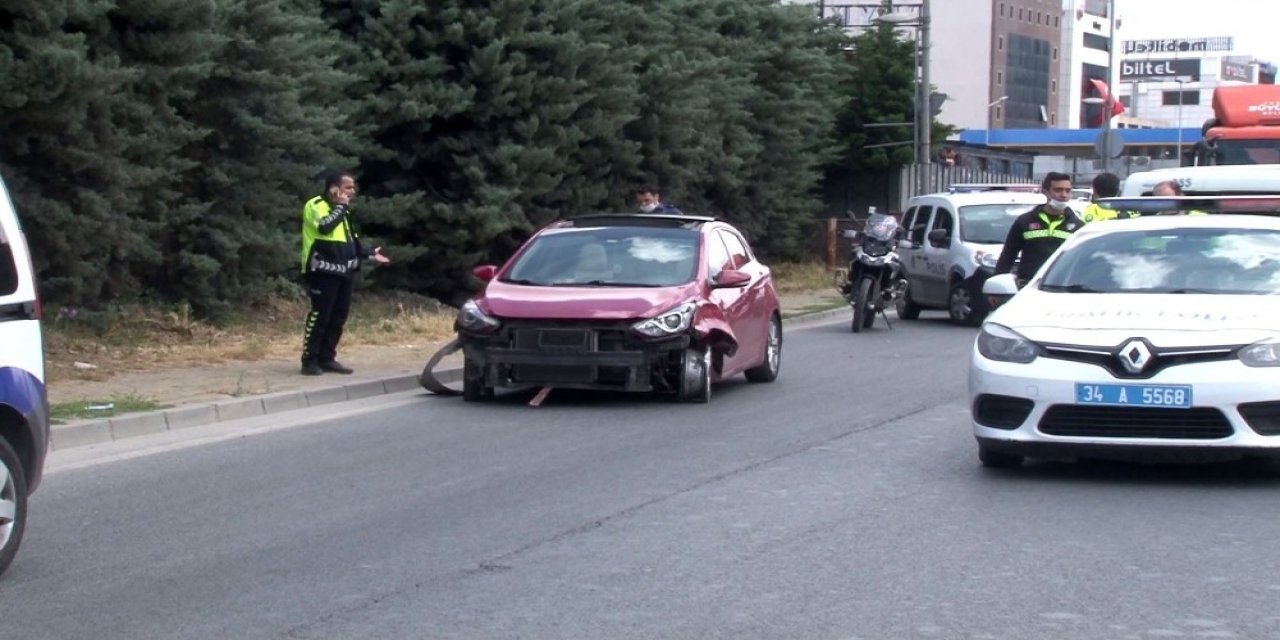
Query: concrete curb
<point x="81" y="434"/>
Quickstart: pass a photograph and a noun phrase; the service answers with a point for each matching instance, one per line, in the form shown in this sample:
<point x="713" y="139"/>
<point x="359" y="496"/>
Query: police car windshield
<point x="989" y="223"/>
<point x="1208" y="260"/>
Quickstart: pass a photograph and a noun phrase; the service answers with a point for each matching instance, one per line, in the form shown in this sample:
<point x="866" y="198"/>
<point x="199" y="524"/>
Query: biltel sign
<point x="1144" y="69"/>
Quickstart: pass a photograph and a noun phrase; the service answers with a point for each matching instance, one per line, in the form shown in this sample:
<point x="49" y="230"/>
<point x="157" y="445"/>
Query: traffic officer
<point x="1105" y="185"/>
<point x="1036" y="234"/>
<point x="1170" y="189"/>
<point x="331" y="255"/>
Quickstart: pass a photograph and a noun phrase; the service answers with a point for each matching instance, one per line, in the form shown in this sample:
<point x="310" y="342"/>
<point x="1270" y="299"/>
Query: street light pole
<point x="1111" y="91"/>
<point x="926" y="103"/>
<point x="991" y="121"/>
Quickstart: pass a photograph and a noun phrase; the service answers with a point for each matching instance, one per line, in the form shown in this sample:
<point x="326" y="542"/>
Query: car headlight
<point x="986" y="259"/>
<point x="668" y="323"/>
<point x="1261" y="354"/>
<point x="472" y="318"/>
<point x="1000" y="343"/>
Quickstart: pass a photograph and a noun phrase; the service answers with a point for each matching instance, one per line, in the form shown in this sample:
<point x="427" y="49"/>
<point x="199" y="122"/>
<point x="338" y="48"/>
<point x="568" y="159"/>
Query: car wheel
<point x="13" y="504"/>
<point x="964" y="307"/>
<point x="767" y="371"/>
<point x="907" y="307"/>
<point x="473" y="387"/>
<point x="695" y="378"/>
<point x="998" y="459"/>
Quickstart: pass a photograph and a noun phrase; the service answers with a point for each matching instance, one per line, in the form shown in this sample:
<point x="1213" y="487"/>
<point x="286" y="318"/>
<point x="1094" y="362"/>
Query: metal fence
<point x="917" y="179"/>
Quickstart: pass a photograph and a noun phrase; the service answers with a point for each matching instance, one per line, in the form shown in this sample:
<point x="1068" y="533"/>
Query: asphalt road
<point x="843" y="501"/>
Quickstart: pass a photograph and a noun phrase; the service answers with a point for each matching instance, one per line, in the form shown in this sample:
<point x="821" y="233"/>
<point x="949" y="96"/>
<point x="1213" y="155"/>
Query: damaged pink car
<point x="665" y="304"/>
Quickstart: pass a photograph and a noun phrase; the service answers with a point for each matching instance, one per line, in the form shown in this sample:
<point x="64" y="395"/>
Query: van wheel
<point x="13" y="504"/>
<point x="907" y="307"/>
<point x="964" y="307"/>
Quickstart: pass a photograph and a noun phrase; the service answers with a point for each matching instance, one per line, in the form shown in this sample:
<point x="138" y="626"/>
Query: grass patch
<point x="119" y="404"/>
<point x="801" y="277"/>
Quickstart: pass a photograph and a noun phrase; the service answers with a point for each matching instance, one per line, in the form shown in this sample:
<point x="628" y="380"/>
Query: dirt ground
<point x="172" y="385"/>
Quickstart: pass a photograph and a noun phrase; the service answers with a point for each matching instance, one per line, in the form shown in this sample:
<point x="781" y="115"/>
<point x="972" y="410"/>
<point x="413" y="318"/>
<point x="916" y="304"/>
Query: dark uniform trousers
<point x="330" y="304"/>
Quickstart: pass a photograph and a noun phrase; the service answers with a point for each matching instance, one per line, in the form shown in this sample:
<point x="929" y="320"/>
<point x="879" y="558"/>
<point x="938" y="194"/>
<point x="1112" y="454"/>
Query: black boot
<point x="311" y="369"/>
<point x="336" y="367"/>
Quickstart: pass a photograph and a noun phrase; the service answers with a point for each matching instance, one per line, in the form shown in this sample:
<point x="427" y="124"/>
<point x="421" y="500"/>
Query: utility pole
<point x="926" y="103"/>
<point x="1111" y="88"/>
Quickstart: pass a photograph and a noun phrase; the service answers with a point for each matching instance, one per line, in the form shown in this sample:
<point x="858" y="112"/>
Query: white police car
<point x="1155" y="339"/>
<point x="24" y="407"/>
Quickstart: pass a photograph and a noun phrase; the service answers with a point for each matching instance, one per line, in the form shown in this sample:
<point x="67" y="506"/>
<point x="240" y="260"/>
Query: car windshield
<point x="989" y="223"/>
<point x="609" y="256"/>
<point x="1202" y="260"/>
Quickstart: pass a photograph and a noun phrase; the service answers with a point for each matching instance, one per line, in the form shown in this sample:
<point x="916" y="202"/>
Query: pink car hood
<point x="581" y="303"/>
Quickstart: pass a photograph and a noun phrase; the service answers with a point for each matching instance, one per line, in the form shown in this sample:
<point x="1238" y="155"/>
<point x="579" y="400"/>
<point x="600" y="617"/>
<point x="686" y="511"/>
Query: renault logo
<point x="1135" y="355"/>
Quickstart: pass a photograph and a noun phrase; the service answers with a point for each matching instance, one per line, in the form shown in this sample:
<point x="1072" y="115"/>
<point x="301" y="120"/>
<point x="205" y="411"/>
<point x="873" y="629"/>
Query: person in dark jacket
<point x="1036" y="234"/>
<point x="649" y="200"/>
<point x="331" y="255"/>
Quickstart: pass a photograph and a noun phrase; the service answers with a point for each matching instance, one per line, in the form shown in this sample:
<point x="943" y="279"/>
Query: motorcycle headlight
<point x="875" y="248"/>
<point x="472" y="318"/>
<point x="668" y="323"/>
<point x="986" y="259"/>
<point x="1261" y="354"/>
<point x="1002" y="344"/>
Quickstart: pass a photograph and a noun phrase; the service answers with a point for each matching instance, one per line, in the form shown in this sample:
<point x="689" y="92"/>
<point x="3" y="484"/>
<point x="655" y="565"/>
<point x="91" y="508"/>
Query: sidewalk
<point x="196" y="396"/>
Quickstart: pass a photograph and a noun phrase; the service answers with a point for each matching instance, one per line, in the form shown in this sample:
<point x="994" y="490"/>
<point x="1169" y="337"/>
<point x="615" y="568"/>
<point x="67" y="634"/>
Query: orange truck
<point x="1245" y="128"/>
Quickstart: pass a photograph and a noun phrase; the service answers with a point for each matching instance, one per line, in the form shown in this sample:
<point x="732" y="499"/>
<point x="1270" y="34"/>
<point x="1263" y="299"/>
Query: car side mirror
<point x="999" y="288"/>
<point x="939" y="236"/>
<point x="485" y="272"/>
<point x="731" y="279"/>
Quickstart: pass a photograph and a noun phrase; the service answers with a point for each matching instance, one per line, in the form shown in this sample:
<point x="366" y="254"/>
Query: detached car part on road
<point x="1150" y="339"/>
<point x="624" y="302"/>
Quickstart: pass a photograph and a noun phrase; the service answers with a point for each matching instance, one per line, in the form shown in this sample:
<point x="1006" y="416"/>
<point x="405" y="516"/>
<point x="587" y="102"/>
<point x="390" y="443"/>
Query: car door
<point x="937" y="253"/>
<point x="911" y="252"/>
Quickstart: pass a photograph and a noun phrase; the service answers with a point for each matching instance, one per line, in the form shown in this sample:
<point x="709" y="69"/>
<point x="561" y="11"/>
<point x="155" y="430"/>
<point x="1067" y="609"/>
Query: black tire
<point x="473" y="387"/>
<point x="861" y="305"/>
<point x="695" y="375"/>
<point x="998" y="459"/>
<point x="964" y="306"/>
<point x="873" y="298"/>
<point x="13" y="499"/>
<point x="767" y="371"/>
<point x="907" y="307"/>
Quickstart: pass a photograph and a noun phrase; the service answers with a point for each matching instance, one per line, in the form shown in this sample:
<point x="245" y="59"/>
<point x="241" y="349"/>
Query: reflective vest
<point x="1050" y="230"/>
<point x="1095" y="212"/>
<point x="328" y="244"/>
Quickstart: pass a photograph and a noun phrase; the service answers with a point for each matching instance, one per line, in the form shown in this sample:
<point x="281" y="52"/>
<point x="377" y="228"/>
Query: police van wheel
<point x="907" y="308"/>
<point x="965" y="308"/>
<point x="13" y="504"/>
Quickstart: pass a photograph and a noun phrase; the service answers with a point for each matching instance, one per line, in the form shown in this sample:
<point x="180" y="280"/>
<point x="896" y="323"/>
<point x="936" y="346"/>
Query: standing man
<point x="650" y="201"/>
<point x="1036" y="234"/>
<point x="331" y="255"/>
<point x="1105" y="185"/>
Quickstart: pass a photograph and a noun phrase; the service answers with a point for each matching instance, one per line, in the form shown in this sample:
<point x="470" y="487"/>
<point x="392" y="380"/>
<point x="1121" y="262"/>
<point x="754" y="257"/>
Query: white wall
<point x="960" y="60"/>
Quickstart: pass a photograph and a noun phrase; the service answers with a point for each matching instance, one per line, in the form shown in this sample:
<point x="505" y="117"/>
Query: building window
<point x="1095" y="41"/>
<point x="997" y="112"/>
<point x="1055" y="53"/>
<point x="1038" y="17"/>
<point x="999" y="79"/>
<point x="1053" y="118"/>
<point x="1127" y="101"/>
<point x="1174" y="98"/>
<point x="1019" y="13"/>
<point x="999" y="43"/>
<point x="1053" y="86"/>
<point x="1056" y="22"/>
<point x="1001" y="9"/>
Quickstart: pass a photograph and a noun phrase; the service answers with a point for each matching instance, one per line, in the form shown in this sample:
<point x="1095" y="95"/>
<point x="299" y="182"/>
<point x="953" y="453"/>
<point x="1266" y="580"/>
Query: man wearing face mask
<point x="1036" y="234"/>
<point x="649" y="200"/>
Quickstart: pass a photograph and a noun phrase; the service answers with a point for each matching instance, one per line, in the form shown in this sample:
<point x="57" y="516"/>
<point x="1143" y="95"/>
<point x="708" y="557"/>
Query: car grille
<point x="569" y="340"/>
<point x="1263" y="417"/>
<point x="1109" y="357"/>
<point x="1198" y="423"/>
<point x="1001" y="412"/>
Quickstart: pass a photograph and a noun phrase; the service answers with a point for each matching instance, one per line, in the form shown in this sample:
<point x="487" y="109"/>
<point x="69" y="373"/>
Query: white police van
<point x="24" y="405"/>
<point x="952" y="245"/>
<point x="1217" y="180"/>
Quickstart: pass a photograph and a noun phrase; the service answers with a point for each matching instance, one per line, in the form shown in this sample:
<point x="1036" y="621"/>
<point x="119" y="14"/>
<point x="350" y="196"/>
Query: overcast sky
<point x="1255" y="24"/>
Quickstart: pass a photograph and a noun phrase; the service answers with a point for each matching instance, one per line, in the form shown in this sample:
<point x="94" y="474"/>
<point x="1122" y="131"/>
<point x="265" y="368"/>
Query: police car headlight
<point x="1261" y="354"/>
<point x="472" y="318"/>
<point x="986" y="259"/>
<point x="668" y="323"/>
<point x="1002" y="344"/>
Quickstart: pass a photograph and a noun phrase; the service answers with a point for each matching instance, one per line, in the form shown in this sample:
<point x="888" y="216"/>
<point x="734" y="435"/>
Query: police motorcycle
<point x="874" y="280"/>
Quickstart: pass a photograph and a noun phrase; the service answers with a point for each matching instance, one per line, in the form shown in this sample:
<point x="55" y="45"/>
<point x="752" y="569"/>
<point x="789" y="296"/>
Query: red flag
<point x="1108" y="100"/>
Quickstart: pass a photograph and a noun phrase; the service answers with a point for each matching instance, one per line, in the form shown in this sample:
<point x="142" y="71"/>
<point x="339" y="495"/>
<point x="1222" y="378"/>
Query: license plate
<point x="1176" y="396"/>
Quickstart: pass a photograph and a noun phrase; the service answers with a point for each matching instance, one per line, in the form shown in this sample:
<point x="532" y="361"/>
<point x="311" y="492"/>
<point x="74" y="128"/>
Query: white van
<point x="1241" y="180"/>
<point x="24" y="405"/>
<point x="952" y="245"/>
